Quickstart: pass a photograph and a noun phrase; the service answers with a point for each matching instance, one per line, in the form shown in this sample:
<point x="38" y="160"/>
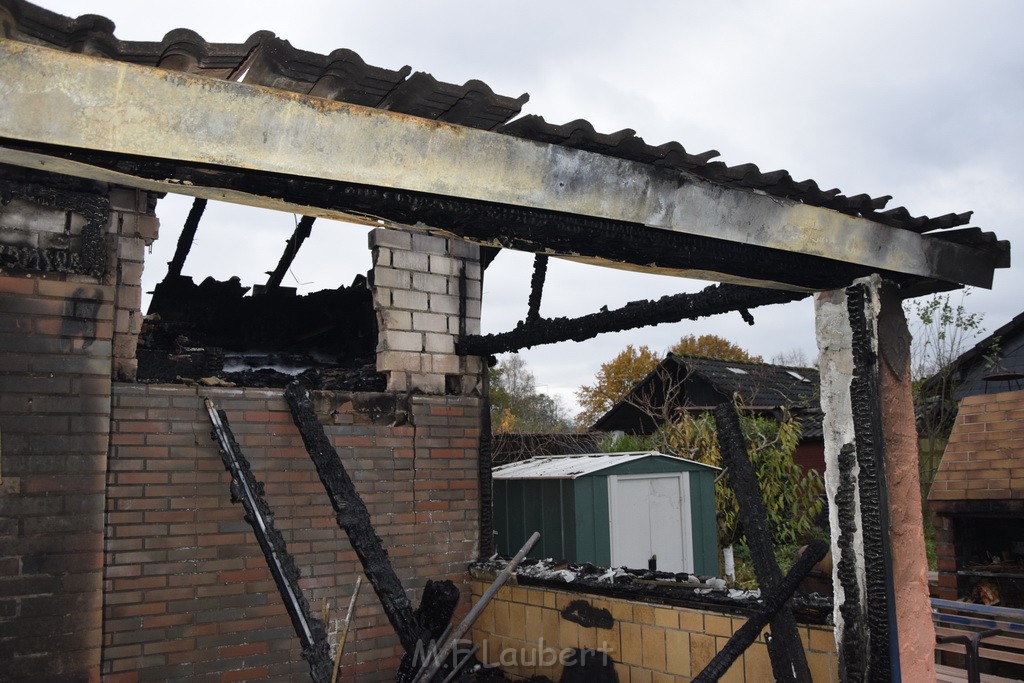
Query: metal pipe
<point x="429" y="671"/>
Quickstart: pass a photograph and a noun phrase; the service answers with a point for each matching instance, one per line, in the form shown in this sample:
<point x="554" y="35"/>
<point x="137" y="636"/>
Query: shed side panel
<point x="705" y="524"/>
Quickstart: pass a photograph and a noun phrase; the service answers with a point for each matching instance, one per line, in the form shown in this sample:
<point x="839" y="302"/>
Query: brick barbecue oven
<point x="978" y="500"/>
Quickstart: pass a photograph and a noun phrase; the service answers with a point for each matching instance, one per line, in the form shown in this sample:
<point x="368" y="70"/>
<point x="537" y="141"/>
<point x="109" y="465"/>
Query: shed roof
<point x="574" y="466"/>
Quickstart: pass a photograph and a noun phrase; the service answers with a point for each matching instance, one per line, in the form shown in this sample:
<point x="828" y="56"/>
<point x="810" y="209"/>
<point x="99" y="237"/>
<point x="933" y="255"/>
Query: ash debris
<point x="643" y="585"/>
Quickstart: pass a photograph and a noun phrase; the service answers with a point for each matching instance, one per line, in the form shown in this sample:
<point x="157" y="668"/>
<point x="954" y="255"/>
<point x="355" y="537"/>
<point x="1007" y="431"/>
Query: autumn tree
<point x="617" y="377"/>
<point x="517" y="406"/>
<point x="712" y="346"/>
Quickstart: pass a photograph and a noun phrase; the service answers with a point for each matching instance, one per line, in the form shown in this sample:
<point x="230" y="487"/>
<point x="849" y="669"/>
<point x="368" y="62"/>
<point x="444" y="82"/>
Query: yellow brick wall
<point x="522" y="630"/>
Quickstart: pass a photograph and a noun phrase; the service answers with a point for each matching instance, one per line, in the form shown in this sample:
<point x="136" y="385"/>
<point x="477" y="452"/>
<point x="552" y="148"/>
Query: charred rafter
<point x="773" y="602"/>
<point x="668" y="309"/>
<point x="540" y="270"/>
<point x="515" y="227"/>
<point x="789" y="661"/>
<point x="185" y="239"/>
<point x="302" y="231"/>
<point x="245" y="488"/>
<point x="354" y="519"/>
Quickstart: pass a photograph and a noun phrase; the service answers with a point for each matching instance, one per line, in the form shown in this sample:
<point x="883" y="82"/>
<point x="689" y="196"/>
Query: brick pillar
<point x="60" y="282"/>
<point x="420" y="284"/>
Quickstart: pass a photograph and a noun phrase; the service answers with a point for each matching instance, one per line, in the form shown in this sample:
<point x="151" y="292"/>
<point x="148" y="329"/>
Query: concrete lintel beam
<point x="90" y="103"/>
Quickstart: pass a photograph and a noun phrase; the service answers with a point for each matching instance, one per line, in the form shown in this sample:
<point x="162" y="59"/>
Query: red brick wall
<point x="55" y="356"/>
<point x="188" y="594"/>
<point x="983" y="465"/>
<point x="984" y="458"/>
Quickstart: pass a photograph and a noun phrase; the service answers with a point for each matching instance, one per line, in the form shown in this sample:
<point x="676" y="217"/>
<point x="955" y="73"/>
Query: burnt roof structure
<point x="256" y="122"/>
<point x="699" y="384"/>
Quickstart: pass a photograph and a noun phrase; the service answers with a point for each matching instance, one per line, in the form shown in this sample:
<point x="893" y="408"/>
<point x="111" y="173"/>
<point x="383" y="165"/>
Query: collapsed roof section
<point x="308" y="139"/>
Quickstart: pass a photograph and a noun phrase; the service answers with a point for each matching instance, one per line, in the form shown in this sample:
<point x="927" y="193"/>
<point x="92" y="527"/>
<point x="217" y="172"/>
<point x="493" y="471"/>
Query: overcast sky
<point x="921" y="100"/>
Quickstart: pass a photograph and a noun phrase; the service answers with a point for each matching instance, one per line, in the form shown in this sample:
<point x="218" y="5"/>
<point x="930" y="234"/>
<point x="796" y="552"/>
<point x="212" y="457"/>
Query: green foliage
<point x="516" y="405"/>
<point x="791" y="498"/>
<point x="942" y="329"/>
<point x="626" y="443"/>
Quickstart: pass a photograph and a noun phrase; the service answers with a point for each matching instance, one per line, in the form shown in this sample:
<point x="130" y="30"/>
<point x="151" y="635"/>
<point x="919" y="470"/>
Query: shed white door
<point x="650" y="515"/>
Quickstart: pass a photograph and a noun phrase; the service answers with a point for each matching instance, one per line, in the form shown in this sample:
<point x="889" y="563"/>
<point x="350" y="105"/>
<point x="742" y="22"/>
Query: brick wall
<point x="981" y="474"/>
<point x="420" y="283"/>
<point x="188" y="593"/>
<point x="523" y="630"/>
<point x="58" y="297"/>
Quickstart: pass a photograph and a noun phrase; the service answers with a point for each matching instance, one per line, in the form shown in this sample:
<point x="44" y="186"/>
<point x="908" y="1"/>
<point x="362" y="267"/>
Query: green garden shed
<point x="635" y="510"/>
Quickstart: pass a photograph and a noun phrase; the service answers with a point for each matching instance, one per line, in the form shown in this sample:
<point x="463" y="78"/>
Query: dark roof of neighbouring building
<point x="266" y="60"/>
<point x="707" y="382"/>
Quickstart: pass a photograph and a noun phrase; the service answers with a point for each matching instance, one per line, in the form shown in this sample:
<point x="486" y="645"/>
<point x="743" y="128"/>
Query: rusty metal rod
<point x="430" y="670"/>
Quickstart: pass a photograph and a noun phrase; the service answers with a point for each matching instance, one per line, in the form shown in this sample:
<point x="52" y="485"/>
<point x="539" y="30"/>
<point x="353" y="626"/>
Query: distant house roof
<point x="573" y="466"/>
<point x="1001" y="352"/>
<point x="703" y="383"/>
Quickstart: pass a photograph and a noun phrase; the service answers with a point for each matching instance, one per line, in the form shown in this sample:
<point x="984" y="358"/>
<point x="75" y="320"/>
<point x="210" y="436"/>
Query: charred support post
<point x="789" y="662"/>
<point x="245" y="488"/>
<point x="354" y="519"/>
<point x="877" y="578"/>
<point x="865" y="398"/>
<point x="668" y="309"/>
<point x="302" y="231"/>
<point x="540" y="271"/>
<point x="773" y="602"/>
<point x="185" y="239"/>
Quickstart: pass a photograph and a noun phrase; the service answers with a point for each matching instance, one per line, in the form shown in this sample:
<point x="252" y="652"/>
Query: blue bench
<point x="971" y="638"/>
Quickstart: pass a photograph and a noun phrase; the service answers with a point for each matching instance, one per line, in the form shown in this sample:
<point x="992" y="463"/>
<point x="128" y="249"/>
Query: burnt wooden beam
<point x="773" y="602"/>
<point x="354" y="519"/>
<point x="789" y="661"/>
<point x="540" y="270"/>
<point x="185" y="239"/>
<point x="302" y="231"/>
<point x="866" y="402"/>
<point x="247" y="490"/>
<point x="711" y="300"/>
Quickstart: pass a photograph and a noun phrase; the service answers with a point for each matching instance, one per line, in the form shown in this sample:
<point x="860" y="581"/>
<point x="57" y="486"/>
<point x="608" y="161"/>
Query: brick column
<point x="60" y="283"/>
<point x="420" y="284"/>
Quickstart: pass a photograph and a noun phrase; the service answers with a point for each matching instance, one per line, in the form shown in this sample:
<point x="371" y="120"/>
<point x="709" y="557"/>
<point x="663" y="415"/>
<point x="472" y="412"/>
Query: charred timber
<point x="789" y="661"/>
<point x="540" y="270"/>
<point x="440" y="598"/>
<point x="185" y="239"/>
<point x="514" y="227"/>
<point x="246" y="489"/>
<point x="865" y="398"/>
<point x="773" y="602"/>
<point x="354" y="519"/>
<point x="854" y="635"/>
<point x="711" y="300"/>
<point x="302" y="231"/>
